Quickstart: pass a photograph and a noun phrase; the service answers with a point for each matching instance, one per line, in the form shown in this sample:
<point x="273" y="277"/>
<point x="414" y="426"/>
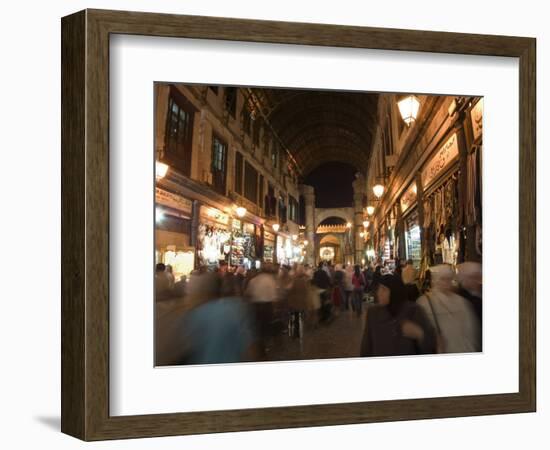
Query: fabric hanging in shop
<point x="439" y="210"/>
<point x="471" y="182"/>
<point x="428" y="212"/>
<point x="478" y="195"/>
<point x="451" y="206"/>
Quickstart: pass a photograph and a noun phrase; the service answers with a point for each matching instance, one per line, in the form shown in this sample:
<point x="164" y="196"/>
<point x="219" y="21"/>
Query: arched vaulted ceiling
<point x="321" y="126"/>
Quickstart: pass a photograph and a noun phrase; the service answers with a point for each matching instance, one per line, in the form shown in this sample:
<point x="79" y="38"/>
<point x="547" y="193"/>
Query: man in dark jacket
<point x="322" y="281"/>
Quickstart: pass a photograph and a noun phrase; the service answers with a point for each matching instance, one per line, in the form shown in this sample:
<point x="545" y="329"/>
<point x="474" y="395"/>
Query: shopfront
<point x="245" y="245"/>
<point x="269" y="247"/>
<point x="441" y="209"/>
<point x="411" y="225"/>
<point x="284" y="249"/>
<point x="173" y="219"/>
<point x="213" y="237"/>
<point x="327" y="253"/>
<point x="288" y="250"/>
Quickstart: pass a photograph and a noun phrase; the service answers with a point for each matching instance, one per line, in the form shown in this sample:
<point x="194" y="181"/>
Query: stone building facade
<point x="430" y="210"/>
<point x="227" y="175"/>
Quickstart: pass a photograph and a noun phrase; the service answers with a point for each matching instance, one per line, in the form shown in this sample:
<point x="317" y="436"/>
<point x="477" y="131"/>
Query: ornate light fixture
<point x="361" y="234"/>
<point x="370" y="210"/>
<point x="241" y="211"/>
<point x="366" y="224"/>
<point x="275" y="227"/>
<point x="408" y="108"/>
<point x="378" y="190"/>
<point x="294" y="237"/>
<point x="348" y="225"/>
<point x="159" y="215"/>
<point x="160" y="169"/>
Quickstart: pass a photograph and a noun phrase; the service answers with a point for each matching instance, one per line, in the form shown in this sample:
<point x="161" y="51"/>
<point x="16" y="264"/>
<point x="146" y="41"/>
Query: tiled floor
<point x="341" y="338"/>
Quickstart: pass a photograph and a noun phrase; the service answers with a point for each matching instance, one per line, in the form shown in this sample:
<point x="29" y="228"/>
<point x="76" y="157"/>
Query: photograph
<point x="277" y="223"/>
<point x="304" y="224"/>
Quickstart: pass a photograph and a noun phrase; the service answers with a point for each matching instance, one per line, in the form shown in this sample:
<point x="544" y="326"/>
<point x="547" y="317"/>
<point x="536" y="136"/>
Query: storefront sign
<point x="171" y="200"/>
<point x="442" y="159"/>
<point x="476" y="115"/>
<point x="248" y="228"/>
<point x="408" y="198"/>
<point x="215" y="215"/>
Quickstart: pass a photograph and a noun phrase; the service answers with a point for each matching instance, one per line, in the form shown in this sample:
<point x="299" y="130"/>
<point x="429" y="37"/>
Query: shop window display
<point x="214" y="245"/>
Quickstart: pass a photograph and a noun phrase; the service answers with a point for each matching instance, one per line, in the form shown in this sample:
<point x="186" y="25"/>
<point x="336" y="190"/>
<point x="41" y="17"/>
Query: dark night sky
<point x="333" y="184"/>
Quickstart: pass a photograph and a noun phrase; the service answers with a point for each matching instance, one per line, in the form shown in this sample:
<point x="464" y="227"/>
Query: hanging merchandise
<point x="243" y="245"/>
<point x="182" y="262"/>
<point x="428" y="212"/>
<point x="473" y="187"/>
<point x="448" y="250"/>
<point x="269" y="247"/>
<point x="212" y="244"/>
<point x="412" y="238"/>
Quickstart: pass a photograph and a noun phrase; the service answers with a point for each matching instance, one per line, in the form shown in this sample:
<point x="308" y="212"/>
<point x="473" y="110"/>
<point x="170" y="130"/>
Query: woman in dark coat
<point x="396" y="326"/>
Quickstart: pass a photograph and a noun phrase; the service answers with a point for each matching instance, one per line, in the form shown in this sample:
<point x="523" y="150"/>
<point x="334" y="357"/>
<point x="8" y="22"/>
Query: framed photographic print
<point x="272" y="225"/>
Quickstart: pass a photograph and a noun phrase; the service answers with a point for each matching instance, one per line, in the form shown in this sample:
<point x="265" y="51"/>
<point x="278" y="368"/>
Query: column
<point x="309" y="197"/>
<point x="359" y="242"/>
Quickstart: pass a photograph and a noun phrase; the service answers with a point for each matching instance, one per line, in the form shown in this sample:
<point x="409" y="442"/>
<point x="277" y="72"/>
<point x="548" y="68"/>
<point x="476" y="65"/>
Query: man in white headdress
<point x="451" y="315"/>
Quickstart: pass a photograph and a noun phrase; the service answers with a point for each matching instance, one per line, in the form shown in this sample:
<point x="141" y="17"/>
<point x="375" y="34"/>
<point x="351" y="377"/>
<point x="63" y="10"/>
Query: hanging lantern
<point x="378" y="190"/>
<point x="370" y="210"/>
<point x="408" y="107"/>
<point x="160" y="170"/>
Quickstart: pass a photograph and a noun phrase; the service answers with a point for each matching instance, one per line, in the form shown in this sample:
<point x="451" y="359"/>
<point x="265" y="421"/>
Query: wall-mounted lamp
<point x="408" y="108"/>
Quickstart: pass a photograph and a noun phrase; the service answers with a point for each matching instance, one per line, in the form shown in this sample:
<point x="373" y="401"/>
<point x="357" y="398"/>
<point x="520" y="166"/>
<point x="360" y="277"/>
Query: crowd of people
<point x="230" y="314"/>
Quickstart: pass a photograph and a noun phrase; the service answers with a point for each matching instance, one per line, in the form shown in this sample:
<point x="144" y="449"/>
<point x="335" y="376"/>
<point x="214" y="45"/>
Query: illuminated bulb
<point x="159" y="215"/>
<point x="408" y="108"/>
<point x="361" y="234"/>
<point x="160" y="169"/>
<point x="305" y="242"/>
<point x="275" y="227"/>
<point x="348" y="225"/>
<point x="366" y="224"/>
<point x="241" y="211"/>
<point x="294" y="237"/>
<point x="370" y="210"/>
<point x="378" y="190"/>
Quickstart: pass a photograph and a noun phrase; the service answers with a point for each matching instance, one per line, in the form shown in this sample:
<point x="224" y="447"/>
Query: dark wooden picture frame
<point x="85" y="224"/>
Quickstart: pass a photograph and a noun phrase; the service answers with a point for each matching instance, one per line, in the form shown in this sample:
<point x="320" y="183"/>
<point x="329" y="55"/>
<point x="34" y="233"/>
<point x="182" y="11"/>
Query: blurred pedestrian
<point x="395" y="325"/>
<point x="453" y="316"/>
<point x="348" y="284"/>
<point x="209" y="329"/>
<point x="170" y="275"/>
<point x="239" y="279"/>
<point x="262" y="291"/>
<point x="358" y="282"/>
<point x="376" y="277"/>
<point x="322" y="281"/>
<point x="338" y="292"/>
<point x="469" y="277"/>
<point x="409" y="275"/>
<point x="162" y="283"/>
<point x="298" y="301"/>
